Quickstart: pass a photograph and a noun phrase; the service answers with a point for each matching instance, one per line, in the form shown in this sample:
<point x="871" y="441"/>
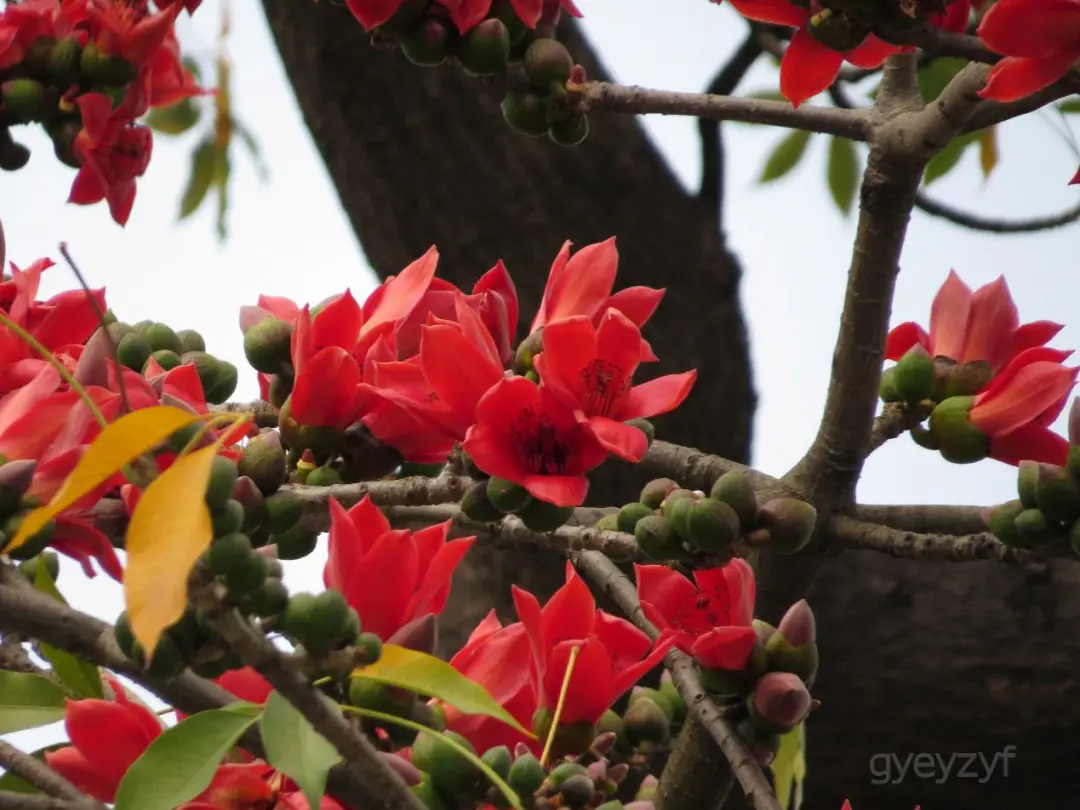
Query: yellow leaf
<point x="117" y="445"/>
<point x="988" y="151"/>
<point x="168" y="531"/>
<point x="789" y="767"/>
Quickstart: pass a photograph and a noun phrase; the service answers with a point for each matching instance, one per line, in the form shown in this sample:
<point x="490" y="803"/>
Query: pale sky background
<point x="289" y="237"/>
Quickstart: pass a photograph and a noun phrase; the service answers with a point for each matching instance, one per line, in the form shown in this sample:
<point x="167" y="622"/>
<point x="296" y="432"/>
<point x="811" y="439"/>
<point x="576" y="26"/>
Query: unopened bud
<point x="887" y="387"/>
<point x="541" y="516"/>
<point x="267" y="345"/>
<point x="15" y="480"/>
<point x="646" y="723"/>
<point x="628" y="516"/>
<point x="1027" y="480"/>
<point x="647" y="789"/>
<point x="529" y="348"/>
<point x="764" y="630"/>
<point x="603" y="743"/>
<point x="22" y="101"/>
<point x="789" y="522"/>
<point x="484" y="51"/>
<point x="654" y="492"/>
<point x="420" y="634"/>
<point x="249" y="496"/>
<point x="780" y="702"/>
<point x="914" y="375"/>
<point x="712" y="526"/>
<point x="526" y="774"/>
<point x="476" y="506"/>
<point x="734" y="489"/>
<point x="1001" y="521"/>
<point x="547" y="62"/>
<point x="783" y="656"/>
<point x="570" y="738"/>
<point x="428" y="44"/>
<point x="656" y="537"/>
<point x="1057" y="494"/>
<point x="1034" y="529"/>
<point x="958" y="441"/>
<point x="924" y="438"/>
<point x="63" y="64"/>
<point x="798" y="624"/>
<point x="403" y="768"/>
<point x="263" y="461"/>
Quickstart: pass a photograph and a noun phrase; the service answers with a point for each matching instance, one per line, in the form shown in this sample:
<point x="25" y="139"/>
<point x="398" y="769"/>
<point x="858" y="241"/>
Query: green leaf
<point x="433" y="677"/>
<point x="176" y="119"/>
<point x="842" y="172"/>
<point x="221" y="183"/>
<point x="204" y="166"/>
<point x="1070" y="107"/>
<point x="28" y="701"/>
<point x="789" y="768"/>
<point x="945" y="161"/>
<point x="252" y="145"/>
<point x="483" y="767"/>
<point x="16" y="784"/>
<point x="936" y="76"/>
<point x="181" y="763"/>
<point x="295" y="748"/>
<point x="81" y="677"/>
<point x="785" y="156"/>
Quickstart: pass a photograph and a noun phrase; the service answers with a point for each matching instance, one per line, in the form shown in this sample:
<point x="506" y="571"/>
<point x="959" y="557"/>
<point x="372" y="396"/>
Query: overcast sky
<point x="289" y="237"/>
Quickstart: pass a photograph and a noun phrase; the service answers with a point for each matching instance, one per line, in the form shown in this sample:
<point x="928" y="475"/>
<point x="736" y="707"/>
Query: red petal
<point x="1030" y="443"/>
<point x="345" y="551"/>
<point x="373" y="13"/>
<point x="1029" y="336"/>
<point x="326" y="391"/>
<point x="467" y="13"/>
<point x="658" y="396"/>
<point x="591" y="690"/>
<point x="400" y="294"/>
<point x="85" y="775"/>
<point x="725" y="647"/>
<point x="491" y="451"/>
<point x="1023" y="28"/>
<point x="903" y="338"/>
<point x="337" y="324"/>
<point x="636" y="303"/>
<point x="434" y="589"/>
<point x="558" y="268"/>
<point x="389" y="579"/>
<point x="625" y="441"/>
<point x="110" y="735"/>
<point x="871" y="53"/>
<point x="808" y="67"/>
<point x="625" y="643"/>
<point x="992" y="321"/>
<point x="585" y="284"/>
<point x="457" y="371"/>
<point x="497" y="283"/>
<point x="626" y="677"/>
<point x="528" y="10"/>
<point x="570" y="612"/>
<point x="569" y="347"/>
<point x="246" y="684"/>
<point x="777" y="12"/>
<point x="949" y="317"/>
<point x="1014" y="78"/>
<point x="1033" y="389"/>
<point x="558" y="490"/>
<point x="370" y="522"/>
<point x="531" y="615"/>
<point x="668" y="591"/>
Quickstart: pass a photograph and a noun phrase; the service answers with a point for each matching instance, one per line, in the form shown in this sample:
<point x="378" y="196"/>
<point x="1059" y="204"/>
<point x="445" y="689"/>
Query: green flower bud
<point x="678" y="706"/>
<point x="577" y="792"/>
<point x="656" y="537"/>
<point x="162" y="338"/>
<point x="1027" y="479"/>
<point x="924" y="438"/>
<point x="647" y="724"/>
<point x="476" y="506"/>
<point x="646" y="427"/>
<point x="223" y="475"/>
<point x="1057" y="493"/>
<point x="608" y="523"/>
<point x="63" y="65"/>
<point x="734" y="489"/>
<point x="540" y="516"/>
<point x="887" y="387"/>
<point x="263" y="461"/>
<point x="712" y="526"/>
<point x="1001" y="521"/>
<point x="654" y="492"/>
<point x="485" y="50"/>
<point x="427" y="794"/>
<point x="283" y="511"/>
<point x="365" y="693"/>
<point x="325" y="476"/>
<point x="1033" y="528"/>
<point x="33" y="546"/>
<point x="800" y="660"/>
<point x="611" y="723"/>
<point x="453" y="775"/>
<point x="526" y="776"/>
<point x="570" y="132"/>
<point x="15" y="479"/>
<point x="190" y="341"/>
<point x="837" y="31"/>
<point x="49" y="559"/>
<point x="958" y="441"/>
<point x="295" y="543"/>
<point x="267" y="346"/>
<point x="229" y="553"/>
<point x="628" y="516"/>
<point x="103" y="70"/>
<point x="789" y="522"/>
<point x="223" y="388"/>
<point x="560" y="774"/>
<point x="913" y="376"/>
<point x="134" y="351"/>
<point x="23" y="101"/>
<point x="499" y="759"/>
<point x="526" y="112"/>
<point x="427" y="45"/>
<point x="506" y="496"/>
<point x="547" y="62"/>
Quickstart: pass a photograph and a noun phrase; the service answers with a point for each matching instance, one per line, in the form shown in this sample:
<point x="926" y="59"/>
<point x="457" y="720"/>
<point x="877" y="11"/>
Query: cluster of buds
<point x="1046" y="512"/>
<point x="139" y="344"/>
<point x="670" y="523"/>
<point x="490" y="499"/>
<point x="843" y="26"/>
<point x="498" y="42"/>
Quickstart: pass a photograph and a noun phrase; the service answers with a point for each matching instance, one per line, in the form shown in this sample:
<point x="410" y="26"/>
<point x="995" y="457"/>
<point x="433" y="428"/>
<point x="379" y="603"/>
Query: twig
<point x="15" y="658"/>
<point x="705" y="710"/>
<point x="850" y="533"/>
<point x="41" y="776"/>
<point x="988" y="112"/>
<point x="31" y="614"/>
<point x="643" y="101"/>
<point x="386" y="788"/>
<point x="266" y="415"/>
<point x="977" y="222"/>
<point x="924" y="519"/>
<point x="894" y="420"/>
<point x="10" y="800"/>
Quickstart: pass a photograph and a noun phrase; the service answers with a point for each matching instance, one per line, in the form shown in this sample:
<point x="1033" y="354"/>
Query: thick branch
<point x="924" y="519"/>
<point x="386" y="788"/>
<point x="41" y="776"/>
<point x="988" y="113"/>
<point x="9" y="800"/>
<point x="694" y="469"/>
<point x="703" y="708"/>
<point x="850" y="533"/>
<point x="31" y="614"/>
<point x="642" y="101"/>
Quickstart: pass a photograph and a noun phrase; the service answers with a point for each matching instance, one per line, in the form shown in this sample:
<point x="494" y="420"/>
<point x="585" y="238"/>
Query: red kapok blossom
<point x="466" y="14"/>
<point x="390" y="577"/>
<point x="968" y="326"/>
<point x="1016" y="410"/>
<point x="1040" y="42"/>
<point x="591" y="368"/>
<point x="526" y="434"/>
<point x="613" y="653"/>
<point x="711" y="617"/>
<point x="492" y="657"/>
<point x="581" y="285"/>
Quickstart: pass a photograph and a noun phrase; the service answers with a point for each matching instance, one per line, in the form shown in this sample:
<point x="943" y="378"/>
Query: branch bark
<point x="849" y="533"/>
<point x="929" y="519"/>
<point x="41" y="776"/>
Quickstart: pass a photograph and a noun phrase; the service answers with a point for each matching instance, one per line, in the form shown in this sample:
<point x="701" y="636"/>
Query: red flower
<point x="582" y="285"/>
<point x="130" y="30"/>
<point x="107" y="736"/>
<point x="592" y="370"/>
<point x="526" y="434"/>
<point x="808" y="66"/>
<point x="492" y="657"/>
<point x="113" y="152"/>
<point x="246" y="684"/>
<point x="468" y="13"/>
<point x="967" y="327"/>
<point x="613" y="653"/>
<point x="22" y="24"/>
<point x="167" y="80"/>
<point x="1017" y="408"/>
<point x="389" y="577"/>
<point x="1040" y="42"/>
<point x="711" y="617"/>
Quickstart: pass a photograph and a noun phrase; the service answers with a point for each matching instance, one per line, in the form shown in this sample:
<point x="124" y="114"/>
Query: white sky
<point x="289" y="237"/>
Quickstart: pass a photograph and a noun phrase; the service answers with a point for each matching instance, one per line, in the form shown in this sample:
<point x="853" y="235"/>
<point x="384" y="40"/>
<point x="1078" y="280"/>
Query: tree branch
<point x="386" y="788"/>
<point x="895" y="420"/>
<point x="850" y="533"/>
<point x="41" y="776"/>
<point x="32" y="614"/>
<point x="10" y="800"/>
<point x="694" y="469"/>
<point x="642" y="101"/>
<point x="977" y="222"/>
<point x="704" y="710"/>
<point x="924" y="519"/>
<point x="988" y="112"/>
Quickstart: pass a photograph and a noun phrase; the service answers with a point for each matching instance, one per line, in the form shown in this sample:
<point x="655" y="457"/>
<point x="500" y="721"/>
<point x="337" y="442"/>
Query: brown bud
<point x="781" y="700"/>
<point x="798" y="624"/>
<point x="789" y="522"/>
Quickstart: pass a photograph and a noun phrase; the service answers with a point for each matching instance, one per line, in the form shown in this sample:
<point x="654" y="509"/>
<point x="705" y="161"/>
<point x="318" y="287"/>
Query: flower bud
<point x="22" y="101"/>
<point x="914" y="375"/>
<point x="783" y="656"/>
<point x="836" y="30"/>
<point x="678" y="706"/>
<point x="603" y="743"/>
<point x="647" y="790"/>
<point x="734" y="489"/>
<point x="402" y="767"/>
<point x="570" y="738"/>
<point x="526" y="774"/>
<point x="560" y="774"/>
<point x="427" y="45"/>
<point x="617" y="773"/>
<point x="420" y="634"/>
<point x="1033" y="528"/>
<point x="540" y="516"/>
<point x="1057" y="493"/>
<point x="611" y="723"/>
<point x="13" y="155"/>
<point x="1027" y="480"/>
<point x="924" y="438"/>
<point x="780" y="702"/>
<point x="647" y="725"/>
<point x="570" y="132"/>
<point x="597" y="771"/>
<point x="712" y="526"/>
<point x="476" y="506"/>
<point x="798" y="624"/>
<point x="608" y="523"/>
<point x="656" y="537"/>
<point x="547" y="62"/>
<point x="453" y="775"/>
<point x="525" y="111"/>
<point x="958" y="441"/>
<point x="789" y="522"/>
<point x="63" y="63"/>
<point x="654" y="492"/>
<point x="263" y="461"/>
<point x="629" y="515"/>
<point x="484" y="51"/>
<point x="15" y="480"/>
<point x="764" y="630"/>
<point x="267" y="345"/>
<point x="1001" y="522"/>
<point x="646" y="427"/>
<point x="250" y="497"/>
<point x="499" y="759"/>
<point x="101" y="69"/>
<point x="506" y="496"/>
<point x="577" y="792"/>
<point x="887" y="387"/>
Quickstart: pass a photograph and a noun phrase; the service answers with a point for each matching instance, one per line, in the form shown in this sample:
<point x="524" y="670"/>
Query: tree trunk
<point x="915" y="658"/>
<point x="423" y="156"/>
